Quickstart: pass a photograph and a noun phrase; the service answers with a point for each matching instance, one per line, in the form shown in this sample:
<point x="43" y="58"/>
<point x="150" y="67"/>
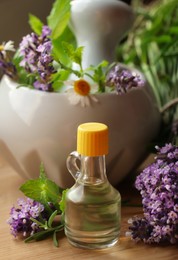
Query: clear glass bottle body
<point x="93" y="207"/>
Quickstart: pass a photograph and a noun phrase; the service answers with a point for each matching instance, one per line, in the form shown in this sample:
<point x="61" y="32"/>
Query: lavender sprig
<point x="37" y="58"/>
<point x="20" y="217"/>
<point x="123" y="80"/>
<point x="158" y="186"/>
<point x="34" y="218"/>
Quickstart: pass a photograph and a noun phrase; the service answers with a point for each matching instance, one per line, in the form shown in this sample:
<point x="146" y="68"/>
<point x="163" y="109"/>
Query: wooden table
<point x="125" y="249"/>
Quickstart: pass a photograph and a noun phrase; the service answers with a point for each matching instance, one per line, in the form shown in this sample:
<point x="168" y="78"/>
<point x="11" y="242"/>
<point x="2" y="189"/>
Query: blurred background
<point x="14" y="17"/>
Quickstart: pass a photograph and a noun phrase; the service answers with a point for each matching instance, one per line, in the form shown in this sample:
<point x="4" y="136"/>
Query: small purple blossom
<point x="46" y="31"/>
<point x="20" y="221"/>
<point x="43" y="86"/>
<point x="158" y="186"/>
<point x="37" y="59"/>
<point x="140" y="229"/>
<point x="123" y="80"/>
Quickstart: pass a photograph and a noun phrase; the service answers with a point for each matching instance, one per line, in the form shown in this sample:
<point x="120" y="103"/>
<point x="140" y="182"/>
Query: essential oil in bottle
<point x="93" y="205"/>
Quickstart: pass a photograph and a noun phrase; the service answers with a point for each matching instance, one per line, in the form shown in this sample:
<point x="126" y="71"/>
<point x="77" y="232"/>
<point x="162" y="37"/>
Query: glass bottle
<point x="93" y="205"/>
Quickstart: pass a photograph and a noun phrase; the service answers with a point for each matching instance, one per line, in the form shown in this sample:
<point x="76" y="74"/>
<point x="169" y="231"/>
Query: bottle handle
<point x="72" y="165"/>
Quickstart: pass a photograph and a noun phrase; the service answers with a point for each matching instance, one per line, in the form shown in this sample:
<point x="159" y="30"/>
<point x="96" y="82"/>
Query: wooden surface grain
<point x="125" y="249"/>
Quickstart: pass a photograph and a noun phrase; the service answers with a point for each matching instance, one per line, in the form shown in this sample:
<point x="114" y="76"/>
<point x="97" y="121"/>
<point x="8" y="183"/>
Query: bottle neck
<point x="93" y="169"/>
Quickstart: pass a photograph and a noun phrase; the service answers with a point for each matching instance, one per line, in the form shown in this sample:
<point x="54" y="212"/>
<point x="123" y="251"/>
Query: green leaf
<point x="173" y="30"/>
<point x="51" y="219"/>
<point x="77" y="58"/>
<point x="42" y="172"/>
<point x="42" y="190"/>
<point x="99" y="75"/>
<point x="59" y="17"/>
<point x="58" y="79"/>
<point x="35" y="23"/>
<point x="55" y="240"/>
<point x="58" y="50"/>
<point x="40" y="224"/>
<point x="41" y="235"/>
<point x="23" y="76"/>
<point x="74" y="54"/>
<point x="61" y="75"/>
<point x="62" y="202"/>
<point x="69" y="49"/>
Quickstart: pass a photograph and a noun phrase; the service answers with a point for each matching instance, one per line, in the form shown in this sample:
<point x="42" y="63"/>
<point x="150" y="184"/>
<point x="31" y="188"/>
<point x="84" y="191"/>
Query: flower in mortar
<point x="123" y="80"/>
<point x="80" y="93"/>
<point x="37" y="59"/>
<point x="7" y="46"/>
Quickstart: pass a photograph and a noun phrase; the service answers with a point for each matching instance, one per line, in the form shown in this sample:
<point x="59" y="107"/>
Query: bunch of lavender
<point x="37" y="59"/>
<point x="20" y="219"/>
<point x="34" y="217"/>
<point x="158" y="185"/>
<point x="123" y="80"/>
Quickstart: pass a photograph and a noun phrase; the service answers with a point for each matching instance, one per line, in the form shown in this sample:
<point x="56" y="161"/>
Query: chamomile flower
<point x="81" y="93"/>
<point x="7" y="46"/>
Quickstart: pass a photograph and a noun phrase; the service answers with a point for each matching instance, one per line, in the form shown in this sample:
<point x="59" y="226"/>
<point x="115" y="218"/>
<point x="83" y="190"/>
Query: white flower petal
<point x="87" y="101"/>
<point x="9" y="46"/>
<point x="74" y="99"/>
<point x="93" y="98"/>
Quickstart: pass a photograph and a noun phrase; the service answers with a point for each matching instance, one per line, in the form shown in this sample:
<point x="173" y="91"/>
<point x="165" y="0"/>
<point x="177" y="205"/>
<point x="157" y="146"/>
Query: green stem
<point x="43" y="234"/>
<point x="168" y="105"/>
<point x="101" y="86"/>
<point x="77" y="73"/>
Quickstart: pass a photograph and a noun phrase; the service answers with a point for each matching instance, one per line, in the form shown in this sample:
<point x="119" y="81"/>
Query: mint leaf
<point x="42" y="172"/>
<point x="69" y="49"/>
<point x="35" y="23"/>
<point x="74" y="54"/>
<point x="59" y="17"/>
<point x="43" y="190"/>
<point x="58" y="51"/>
<point x="62" y="201"/>
<point x="58" y="79"/>
<point x="99" y="75"/>
<point x="77" y="58"/>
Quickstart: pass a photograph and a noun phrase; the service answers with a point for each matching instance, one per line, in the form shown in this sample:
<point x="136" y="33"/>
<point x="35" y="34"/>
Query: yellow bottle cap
<point x="92" y="139"/>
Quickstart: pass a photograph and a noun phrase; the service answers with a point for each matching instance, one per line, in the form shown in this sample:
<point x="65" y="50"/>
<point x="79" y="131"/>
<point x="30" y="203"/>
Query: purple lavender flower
<point x="20" y="221"/>
<point x="8" y="68"/>
<point x="140" y="229"/>
<point x="37" y="59"/>
<point x="46" y="31"/>
<point x="43" y="86"/>
<point x="158" y="185"/>
<point x="123" y="80"/>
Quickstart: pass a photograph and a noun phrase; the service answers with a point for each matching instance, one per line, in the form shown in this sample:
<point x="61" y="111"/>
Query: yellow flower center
<point x="1" y="47"/>
<point x="82" y="87"/>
